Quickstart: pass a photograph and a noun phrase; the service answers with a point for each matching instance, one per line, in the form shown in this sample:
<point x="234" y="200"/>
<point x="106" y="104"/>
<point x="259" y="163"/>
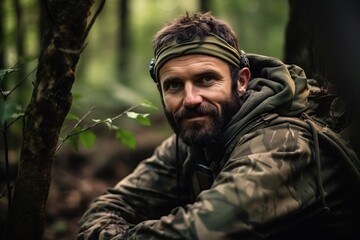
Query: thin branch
<point x="97" y="13"/>
<point x="6" y="155"/>
<point x="73" y="133"/>
<point x="97" y="123"/>
<point x="5" y="192"/>
<point x="74" y="127"/>
<point x="19" y="83"/>
<point x="13" y="121"/>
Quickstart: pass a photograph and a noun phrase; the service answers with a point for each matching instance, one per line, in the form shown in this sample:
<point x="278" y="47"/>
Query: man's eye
<point x="173" y="86"/>
<point x="206" y="80"/>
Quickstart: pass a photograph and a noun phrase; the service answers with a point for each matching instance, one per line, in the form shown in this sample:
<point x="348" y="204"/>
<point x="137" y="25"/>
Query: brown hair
<point x="185" y="28"/>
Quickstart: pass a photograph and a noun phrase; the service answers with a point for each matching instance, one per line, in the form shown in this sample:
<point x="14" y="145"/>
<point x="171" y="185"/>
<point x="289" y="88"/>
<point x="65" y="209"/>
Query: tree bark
<point x="205" y="5"/>
<point x="44" y="116"/>
<point x="123" y="40"/>
<point x="302" y="37"/>
<point x="2" y="36"/>
<point x="323" y="37"/>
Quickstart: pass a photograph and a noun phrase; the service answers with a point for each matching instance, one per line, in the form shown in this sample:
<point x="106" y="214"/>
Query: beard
<point x="207" y="130"/>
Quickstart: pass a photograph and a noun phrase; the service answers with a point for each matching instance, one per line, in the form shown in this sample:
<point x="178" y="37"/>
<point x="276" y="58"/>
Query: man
<point x="229" y="171"/>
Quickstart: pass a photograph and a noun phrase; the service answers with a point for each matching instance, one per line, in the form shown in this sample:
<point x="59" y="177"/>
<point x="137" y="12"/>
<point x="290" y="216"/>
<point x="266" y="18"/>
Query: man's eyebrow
<point x="197" y="74"/>
<point x="205" y="72"/>
<point x="169" y="79"/>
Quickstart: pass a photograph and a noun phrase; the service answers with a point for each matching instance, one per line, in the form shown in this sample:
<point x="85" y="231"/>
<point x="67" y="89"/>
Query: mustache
<point x="201" y="110"/>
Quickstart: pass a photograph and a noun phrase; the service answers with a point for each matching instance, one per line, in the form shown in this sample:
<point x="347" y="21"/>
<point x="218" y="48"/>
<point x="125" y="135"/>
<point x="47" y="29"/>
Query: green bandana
<point x="212" y="46"/>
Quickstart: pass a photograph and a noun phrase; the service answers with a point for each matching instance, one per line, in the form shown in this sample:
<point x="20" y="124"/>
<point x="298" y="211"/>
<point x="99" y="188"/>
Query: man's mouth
<point x="194" y="118"/>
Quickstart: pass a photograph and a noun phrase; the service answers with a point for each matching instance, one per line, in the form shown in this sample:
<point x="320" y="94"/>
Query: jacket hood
<point x="273" y="88"/>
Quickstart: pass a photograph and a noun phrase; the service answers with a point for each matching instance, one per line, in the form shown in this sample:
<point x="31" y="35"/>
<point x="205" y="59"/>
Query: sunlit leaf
<point x="96" y="120"/>
<point x="126" y="137"/>
<point x="110" y="125"/>
<point x="5" y="93"/>
<point x="133" y="115"/>
<point x="148" y="104"/>
<point x="141" y="118"/>
<point x="108" y="120"/>
<point x="87" y="139"/>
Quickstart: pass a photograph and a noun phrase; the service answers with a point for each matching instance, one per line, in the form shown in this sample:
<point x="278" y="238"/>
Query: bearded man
<point x="230" y="170"/>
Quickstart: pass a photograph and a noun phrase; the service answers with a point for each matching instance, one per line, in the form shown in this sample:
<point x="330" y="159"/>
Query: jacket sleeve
<point x="254" y="190"/>
<point x="147" y="193"/>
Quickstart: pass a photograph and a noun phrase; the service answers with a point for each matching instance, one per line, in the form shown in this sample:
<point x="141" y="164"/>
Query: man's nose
<point x="192" y="97"/>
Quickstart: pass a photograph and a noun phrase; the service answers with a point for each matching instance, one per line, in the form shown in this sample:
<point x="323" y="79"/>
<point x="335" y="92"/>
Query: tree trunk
<point x="302" y="38"/>
<point x="2" y="36"/>
<point x="323" y="37"/>
<point x="124" y="40"/>
<point x="44" y="116"/>
<point x="42" y="20"/>
<point x="205" y="5"/>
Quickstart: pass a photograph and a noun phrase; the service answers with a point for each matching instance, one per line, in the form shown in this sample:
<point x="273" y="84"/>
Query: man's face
<point x="198" y="98"/>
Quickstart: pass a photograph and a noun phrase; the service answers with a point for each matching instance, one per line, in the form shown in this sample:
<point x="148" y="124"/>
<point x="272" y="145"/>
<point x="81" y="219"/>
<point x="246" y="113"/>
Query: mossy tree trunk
<point x="50" y="102"/>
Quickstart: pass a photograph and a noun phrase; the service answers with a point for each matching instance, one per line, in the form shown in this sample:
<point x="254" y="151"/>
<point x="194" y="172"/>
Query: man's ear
<point x="243" y="81"/>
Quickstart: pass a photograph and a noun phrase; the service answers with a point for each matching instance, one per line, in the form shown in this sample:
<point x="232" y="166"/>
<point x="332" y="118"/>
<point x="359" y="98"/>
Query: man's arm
<point x="147" y="193"/>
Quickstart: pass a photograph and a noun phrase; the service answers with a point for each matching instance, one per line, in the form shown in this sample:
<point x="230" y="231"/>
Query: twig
<point x="98" y="11"/>
<point x="6" y="155"/>
<point x="19" y="83"/>
<point x="97" y="123"/>
<point x="5" y="192"/>
<point x="13" y="121"/>
<point x="73" y="133"/>
<point x="74" y="127"/>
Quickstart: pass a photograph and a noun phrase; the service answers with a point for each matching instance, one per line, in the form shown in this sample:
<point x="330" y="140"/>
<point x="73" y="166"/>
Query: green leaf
<point x="7" y="110"/>
<point x="126" y="137"/>
<point x="141" y="118"/>
<point x="133" y="115"/>
<point x="96" y="120"/>
<point x="74" y="142"/>
<point x="144" y="120"/>
<point x="110" y="125"/>
<point x="5" y="93"/>
<point x="87" y="139"/>
<point x="148" y="104"/>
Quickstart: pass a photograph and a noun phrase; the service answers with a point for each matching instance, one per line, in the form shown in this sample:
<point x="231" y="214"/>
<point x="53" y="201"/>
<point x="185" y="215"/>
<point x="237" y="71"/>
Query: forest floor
<point x="79" y="176"/>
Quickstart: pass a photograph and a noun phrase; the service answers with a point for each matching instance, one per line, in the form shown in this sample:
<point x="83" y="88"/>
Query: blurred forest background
<point x="112" y="76"/>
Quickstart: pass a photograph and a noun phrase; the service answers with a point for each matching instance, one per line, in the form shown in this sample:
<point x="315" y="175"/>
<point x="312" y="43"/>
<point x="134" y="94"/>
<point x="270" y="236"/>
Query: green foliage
<point x="87" y="139"/>
<point x="4" y="73"/>
<point x="142" y="118"/>
<point x="126" y="137"/>
<point x="9" y="110"/>
<point x="83" y="136"/>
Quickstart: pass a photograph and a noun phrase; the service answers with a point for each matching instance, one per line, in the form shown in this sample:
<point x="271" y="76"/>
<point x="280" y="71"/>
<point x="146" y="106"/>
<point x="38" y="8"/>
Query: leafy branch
<point x="87" y="138"/>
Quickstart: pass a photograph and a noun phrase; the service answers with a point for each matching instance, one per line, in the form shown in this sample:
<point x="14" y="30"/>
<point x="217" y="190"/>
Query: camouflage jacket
<point x="258" y="182"/>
